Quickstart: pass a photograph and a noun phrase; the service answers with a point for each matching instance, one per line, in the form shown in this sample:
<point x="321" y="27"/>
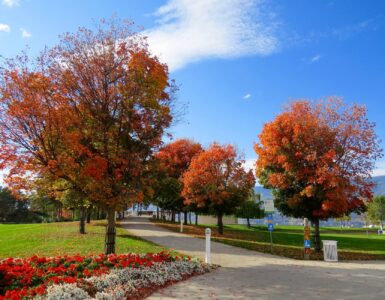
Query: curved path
<point x="246" y="274"/>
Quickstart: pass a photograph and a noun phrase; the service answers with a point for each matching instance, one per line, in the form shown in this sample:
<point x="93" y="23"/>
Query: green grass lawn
<point x="349" y="239"/>
<point x="353" y="243"/>
<point x="23" y="240"/>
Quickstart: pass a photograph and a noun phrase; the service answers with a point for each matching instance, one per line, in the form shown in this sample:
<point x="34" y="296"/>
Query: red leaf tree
<point x="318" y="158"/>
<point x="174" y="159"/>
<point x="217" y="181"/>
<point x="90" y="111"/>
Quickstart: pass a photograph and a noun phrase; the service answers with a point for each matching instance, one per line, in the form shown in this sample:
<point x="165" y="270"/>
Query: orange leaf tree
<point x="174" y="159"/>
<point x="90" y="111"/>
<point x="318" y="158"/>
<point x="217" y="181"/>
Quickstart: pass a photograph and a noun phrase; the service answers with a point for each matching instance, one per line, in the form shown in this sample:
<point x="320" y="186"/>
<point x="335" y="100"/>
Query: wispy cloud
<point x="343" y="32"/>
<point x="353" y="29"/>
<point x="190" y="31"/>
<point x="5" y="27"/>
<point x="10" y="3"/>
<point x="247" y="96"/>
<point x="315" y="58"/>
<point x="25" y="34"/>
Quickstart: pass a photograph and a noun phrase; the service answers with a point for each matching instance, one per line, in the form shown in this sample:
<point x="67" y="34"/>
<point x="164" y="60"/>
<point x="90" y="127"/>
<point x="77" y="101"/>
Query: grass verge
<point x="288" y="241"/>
<point x="53" y="239"/>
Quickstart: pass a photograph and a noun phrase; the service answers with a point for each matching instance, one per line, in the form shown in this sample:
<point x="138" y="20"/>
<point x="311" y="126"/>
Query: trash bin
<point x="330" y="250"/>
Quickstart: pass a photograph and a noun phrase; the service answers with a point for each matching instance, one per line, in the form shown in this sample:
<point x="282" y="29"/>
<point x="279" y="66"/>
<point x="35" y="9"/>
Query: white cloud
<point x="247" y="96"/>
<point x="10" y="3"/>
<point x="25" y="34"/>
<point x="249" y="164"/>
<point x="191" y="31"/>
<point x="380" y="169"/>
<point x="315" y="58"/>
<point x="5" y="27"/>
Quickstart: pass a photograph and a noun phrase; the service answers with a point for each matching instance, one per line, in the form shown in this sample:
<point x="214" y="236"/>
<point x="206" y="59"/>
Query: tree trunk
<point x="110" y="232"/>
<point x="82" y="223"/>
<point x="196" y="218"/>
<point x="173" y="216"/>
<point x="189" y="217"/>
<point x="248" y="222"/>
<point x="89" y="212"/>
<point x="60" y="214"/>
<point x="157" y="213"/>
<point x="316" y="236"/>
<point x="185" y="218"/>
<point x="220" y="223"/>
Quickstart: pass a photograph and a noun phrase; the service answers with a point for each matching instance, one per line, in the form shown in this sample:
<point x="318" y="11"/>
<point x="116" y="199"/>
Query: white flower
<point x="66" y="292"/>
<point x="120" y="283"/>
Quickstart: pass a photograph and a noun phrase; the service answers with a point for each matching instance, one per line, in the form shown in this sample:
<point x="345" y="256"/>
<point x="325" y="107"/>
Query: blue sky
<point x="237" y="61"/>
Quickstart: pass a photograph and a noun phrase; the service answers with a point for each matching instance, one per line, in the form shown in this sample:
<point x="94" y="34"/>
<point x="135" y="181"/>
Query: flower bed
<point x="97" y="277"/>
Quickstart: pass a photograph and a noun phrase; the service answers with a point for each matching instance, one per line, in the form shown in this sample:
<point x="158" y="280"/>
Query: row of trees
<point x="317" y="158"/>
<point x="85" y="122"/>
<point x="80" y="124"/>
<point x="190" y="178"/>
<point x="37" y="208"/>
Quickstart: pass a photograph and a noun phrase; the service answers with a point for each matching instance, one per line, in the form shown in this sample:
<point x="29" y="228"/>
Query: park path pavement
<point x="246" y="274"/>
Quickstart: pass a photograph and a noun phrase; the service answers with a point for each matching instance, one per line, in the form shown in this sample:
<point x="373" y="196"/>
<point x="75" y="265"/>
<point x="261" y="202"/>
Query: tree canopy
<point x="376" y="209"/>
<point x="216" y="180"/>
<point x="173" y="160"/>
<point x="90" y="111"/>
<point x="318" y="158"/>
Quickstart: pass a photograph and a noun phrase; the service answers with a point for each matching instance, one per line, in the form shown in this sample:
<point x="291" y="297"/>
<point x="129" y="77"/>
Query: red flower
<point x="30" y="276"/>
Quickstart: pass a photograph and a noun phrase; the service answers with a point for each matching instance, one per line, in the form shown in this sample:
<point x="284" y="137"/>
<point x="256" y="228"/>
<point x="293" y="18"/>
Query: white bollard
<point x="208" y="246"/>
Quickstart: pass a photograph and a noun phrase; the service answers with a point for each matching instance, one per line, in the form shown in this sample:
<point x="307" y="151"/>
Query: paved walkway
<point x="251" y="275"/>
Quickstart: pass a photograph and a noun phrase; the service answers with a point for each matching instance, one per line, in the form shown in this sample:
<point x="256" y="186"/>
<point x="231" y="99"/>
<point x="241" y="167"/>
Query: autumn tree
<point x="217" y="181"/>
<point x="174" y="159"/>
<point x="318" y="158"/>
<point x="90" y="111"/>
